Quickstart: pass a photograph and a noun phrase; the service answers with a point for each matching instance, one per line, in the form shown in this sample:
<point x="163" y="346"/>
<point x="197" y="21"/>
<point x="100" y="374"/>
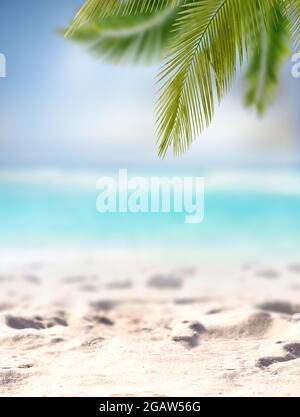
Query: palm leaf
<point x="94" y="9"/>
<point x="263" y="73"/>
<point x="131" y="38"/>
<point x="202" y="58"/>
<point x="209" y="40"/>
<point x="293" y="10"/>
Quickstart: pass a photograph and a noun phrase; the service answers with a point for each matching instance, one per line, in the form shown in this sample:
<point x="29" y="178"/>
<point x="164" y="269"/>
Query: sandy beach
<point x="95" y="325"/>
<point x="149" y="199"/>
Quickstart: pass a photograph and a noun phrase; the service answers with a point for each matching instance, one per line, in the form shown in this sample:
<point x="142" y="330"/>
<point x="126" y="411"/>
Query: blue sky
<point x="62" y="107"/>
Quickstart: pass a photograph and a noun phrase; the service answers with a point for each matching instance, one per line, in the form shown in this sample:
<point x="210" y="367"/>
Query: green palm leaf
<point x="94" y="9"/>
<point x="205" y="40"/>
<point x="293" y="10"/>
<point x="131" y="38"/>
<point x="263" y="73"/>
<point x="203" y="56"/>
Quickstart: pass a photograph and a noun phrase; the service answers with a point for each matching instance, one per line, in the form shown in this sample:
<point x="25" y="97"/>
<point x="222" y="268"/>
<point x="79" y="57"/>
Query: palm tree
<point x="201" y="43"/>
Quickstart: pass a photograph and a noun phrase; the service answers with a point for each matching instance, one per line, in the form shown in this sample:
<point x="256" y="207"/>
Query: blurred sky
<point x="62" y="107"/>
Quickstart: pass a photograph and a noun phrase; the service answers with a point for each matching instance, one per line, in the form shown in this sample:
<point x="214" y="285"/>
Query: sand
<point x="94" y="325"/>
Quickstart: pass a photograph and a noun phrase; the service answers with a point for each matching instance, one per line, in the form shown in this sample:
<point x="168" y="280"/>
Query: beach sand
<point x="92" y="325"/>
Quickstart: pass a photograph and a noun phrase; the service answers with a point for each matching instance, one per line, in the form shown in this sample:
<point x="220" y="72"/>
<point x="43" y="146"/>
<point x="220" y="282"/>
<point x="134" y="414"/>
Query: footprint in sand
<point x="198" y="328"/>
<point x="37" y="322"/>
<point x="189" y="342"/>
<point x="104" y="320"/>
<point x="165" y="282"/>
<point x="77" y="279"/>
<point x="103" y="305"/>
<point x="214" y="311"/>
<point x="189" y="334"/>
<point x="268" y="273"/>
<point x="267" y="361"/>
<point x="26" y="366"/>
<point x="88" y="288"/>
<point x="292" y="352"/>
<point x="33" y="279"/>
<point x="100" y="320"/>
<point x="56" y="340"/>
<point x="119" y="285"/>
<point x="190" y="300"/>
<point x="280" y="307"/>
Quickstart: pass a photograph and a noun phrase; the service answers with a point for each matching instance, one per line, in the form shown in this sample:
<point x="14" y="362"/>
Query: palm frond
<point x="206" y="42"/>
<point x="210" y="36"/>
<point x="128" y="38"/>
<point x="293" y="10"/>
<point x="95" y="9"/>
<point x="263" y="74"/>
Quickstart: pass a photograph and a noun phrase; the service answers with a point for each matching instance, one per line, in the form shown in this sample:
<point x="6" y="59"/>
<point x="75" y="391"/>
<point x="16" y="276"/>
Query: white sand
<point x="113" y="326"/>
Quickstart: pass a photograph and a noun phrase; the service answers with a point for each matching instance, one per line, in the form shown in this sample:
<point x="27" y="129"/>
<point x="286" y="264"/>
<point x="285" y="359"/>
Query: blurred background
<point x="67" y="118"/>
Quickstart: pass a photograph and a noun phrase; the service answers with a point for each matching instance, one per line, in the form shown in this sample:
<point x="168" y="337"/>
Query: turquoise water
<point x="245" y="217"/>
